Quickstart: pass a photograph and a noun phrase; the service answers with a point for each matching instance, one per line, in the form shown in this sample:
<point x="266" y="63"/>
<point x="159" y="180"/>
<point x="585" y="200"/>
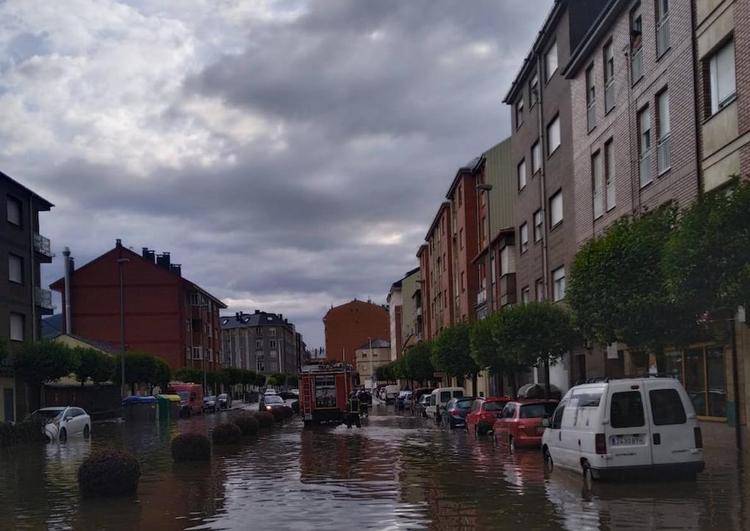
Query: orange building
<point x="350" y="325"/>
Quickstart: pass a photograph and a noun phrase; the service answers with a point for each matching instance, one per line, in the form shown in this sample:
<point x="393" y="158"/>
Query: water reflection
<point x="397" y="472"/>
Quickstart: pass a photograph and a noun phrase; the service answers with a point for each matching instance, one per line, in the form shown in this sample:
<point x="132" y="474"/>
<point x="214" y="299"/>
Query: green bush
<point x="265" y="419"/>
<point x="28" y="431"/>
<point x="107" y="473"/>
<point x="191" y="447"/>
<point x="226" y="434"/>
<point x="247" y="424"/>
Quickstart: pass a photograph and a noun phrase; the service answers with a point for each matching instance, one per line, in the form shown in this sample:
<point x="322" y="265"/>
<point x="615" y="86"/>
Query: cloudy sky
<point x="289" y="153"/>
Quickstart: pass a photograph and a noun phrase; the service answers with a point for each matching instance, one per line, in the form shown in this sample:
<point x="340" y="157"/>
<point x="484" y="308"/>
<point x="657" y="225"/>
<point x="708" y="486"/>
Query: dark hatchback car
<point x="456" y="410"/>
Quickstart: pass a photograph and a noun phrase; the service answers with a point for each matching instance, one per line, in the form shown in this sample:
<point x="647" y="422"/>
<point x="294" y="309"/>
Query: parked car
<point x="520" y="424"/>
<point x="270" y="392"/>
<point x="269" y="402"/>
<point x="610" y="429"/>
<point x="417" y="394"/>
<point x="209" y="403"/>
<point x="63" y="422"/>
<point x="403" y="400"/>
<point x="225" y="401"/>
<point x="484" y="412"/>
<point x="421" y="407"/>
<point x="439" y="398"/>
<point x="390" y="393"/>
<point x="456" y="411"/>
<point x="191" y="397"/>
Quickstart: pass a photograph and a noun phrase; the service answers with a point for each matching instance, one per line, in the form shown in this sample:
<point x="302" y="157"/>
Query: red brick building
<point x="438" y="260"/>
<point x="165" y="314"/>
<point x="350" y="325"/>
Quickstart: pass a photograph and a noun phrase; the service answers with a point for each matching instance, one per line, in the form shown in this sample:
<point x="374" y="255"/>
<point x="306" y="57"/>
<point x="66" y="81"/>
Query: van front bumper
<point x="670" y="470"/>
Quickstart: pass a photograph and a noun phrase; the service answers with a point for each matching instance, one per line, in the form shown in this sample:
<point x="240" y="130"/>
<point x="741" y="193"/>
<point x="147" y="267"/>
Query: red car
<point x="520" y="424"/>
<point x="484" y="412"/>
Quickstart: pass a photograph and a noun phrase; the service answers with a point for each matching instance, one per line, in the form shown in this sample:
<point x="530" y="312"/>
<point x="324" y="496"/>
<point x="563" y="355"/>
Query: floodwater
<point x="396" y="472"/>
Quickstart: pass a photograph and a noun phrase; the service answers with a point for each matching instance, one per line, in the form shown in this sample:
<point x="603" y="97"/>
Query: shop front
<point x="703" y="370"/>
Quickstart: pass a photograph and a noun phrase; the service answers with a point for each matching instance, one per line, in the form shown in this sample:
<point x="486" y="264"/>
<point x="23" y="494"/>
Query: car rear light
<point x="698" y="437"/>
<point x="601" y="444"/>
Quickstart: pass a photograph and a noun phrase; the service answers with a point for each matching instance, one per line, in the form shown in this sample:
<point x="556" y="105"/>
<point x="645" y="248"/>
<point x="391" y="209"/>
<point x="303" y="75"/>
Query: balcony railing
<point x="507" y="289"/>
<point x="42" y="245"/>
<point x="609" y="95"/>
<point x="591" y="115"/>
<point x="636" y="64"/>
<point x="645" y="168"/>
<point x="662" y="35"/>
<point x="663" y="158"/>
<point x="43" y="298"/>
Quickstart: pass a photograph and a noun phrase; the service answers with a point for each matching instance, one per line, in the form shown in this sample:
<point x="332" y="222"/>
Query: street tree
<point x="487" y="352"/>
<point x="142" y="368"/>
<point x="188" y="374"/>
<point x="93" y="364"/>
<point x="416" y="363"/>
<point x="41" y="362"/>
<point x="451" y="353"/>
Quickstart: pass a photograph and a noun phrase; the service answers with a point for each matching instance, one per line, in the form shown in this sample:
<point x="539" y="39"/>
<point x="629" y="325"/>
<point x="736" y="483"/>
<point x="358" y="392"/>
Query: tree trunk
<point x="513" y="385"/>
<point x="474" y="384"/>
<point x="546" y="378"/>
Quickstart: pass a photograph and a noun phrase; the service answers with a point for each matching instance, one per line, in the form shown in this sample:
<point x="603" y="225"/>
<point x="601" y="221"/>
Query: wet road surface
<point x="397" y="472"/>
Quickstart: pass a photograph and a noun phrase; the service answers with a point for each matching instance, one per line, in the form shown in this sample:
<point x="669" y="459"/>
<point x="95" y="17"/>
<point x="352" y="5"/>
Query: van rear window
<point x="666" y="407"/>
<point x="627" y="410"/>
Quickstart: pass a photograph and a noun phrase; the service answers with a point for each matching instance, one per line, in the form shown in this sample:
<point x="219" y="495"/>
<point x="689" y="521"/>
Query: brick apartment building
<point x="402" y="311"/>
<point x="266" y="343"/>
<point x="22" y="301"/>
<point x="165" y="314"/>
<point x="350" y="325"/>
<point x="437" y="260"/>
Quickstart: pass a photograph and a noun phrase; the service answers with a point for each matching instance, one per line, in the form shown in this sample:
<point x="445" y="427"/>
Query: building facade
<point x="395" y="318"/>
<point x="402" y="312"/>
<point x="411" y="311"/>
<point x="352" y="324"/>
<point x="164" y="313"/>
<point x="22" y="300"/>
<point x="262" y="342"/>
<point x="369" y="357"/>
<point x="439" y="264"/>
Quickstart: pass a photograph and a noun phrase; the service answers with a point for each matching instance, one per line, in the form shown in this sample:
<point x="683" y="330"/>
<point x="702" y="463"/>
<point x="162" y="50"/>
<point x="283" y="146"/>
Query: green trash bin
<point x="169" y="406"/>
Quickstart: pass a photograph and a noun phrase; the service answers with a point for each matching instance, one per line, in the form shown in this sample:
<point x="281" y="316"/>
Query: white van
<point x="605" y="429"/>
<point x="440" y="397"/>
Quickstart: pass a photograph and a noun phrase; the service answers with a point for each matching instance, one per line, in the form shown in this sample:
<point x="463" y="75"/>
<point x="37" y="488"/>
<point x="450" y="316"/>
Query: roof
<point x="44" y="204"/>
<point x="102" y="346"/>
<point x="52" y="326"/>
<point x="470" y="167"/>
<point x="443" y="206"/>
<point x="247" y="320"/>
<point x="590" y="41"/>
<point x="376" y="343"/>
<point x="356" y="301"/>
<point x="528" y="62"/>
<point x="422" y="248"/>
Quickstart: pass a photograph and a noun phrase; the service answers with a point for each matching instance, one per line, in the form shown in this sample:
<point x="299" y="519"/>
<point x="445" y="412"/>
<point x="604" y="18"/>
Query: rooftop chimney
<point x="118" y="242"/>
<point x="148" y="255"/>
<point x="162" y="260"/>
<point x="257" y="312"/>
<point x="176" y="269"/>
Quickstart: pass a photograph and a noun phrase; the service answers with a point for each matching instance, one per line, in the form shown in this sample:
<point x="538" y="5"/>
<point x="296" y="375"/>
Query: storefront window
<point x="695" y="379"/>
<point x="702" y="372"/>
<point x="717" y="389"/>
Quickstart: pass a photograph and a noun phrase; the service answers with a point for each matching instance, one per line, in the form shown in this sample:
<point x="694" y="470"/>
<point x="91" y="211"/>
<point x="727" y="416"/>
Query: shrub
<point x="191" y="447"/>
<point x="247" y="424"/>
<point x="28" y="431"/>
<point x="109" y="472"/>
<point x="226" y="434"/>
<point x="265" y="419"/>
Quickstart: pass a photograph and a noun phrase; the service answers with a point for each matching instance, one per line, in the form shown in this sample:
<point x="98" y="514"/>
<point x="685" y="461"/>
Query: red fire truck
<point x="324" y="394"/>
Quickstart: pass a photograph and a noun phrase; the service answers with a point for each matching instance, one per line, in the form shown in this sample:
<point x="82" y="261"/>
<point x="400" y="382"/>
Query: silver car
<point x="63" y="422"/>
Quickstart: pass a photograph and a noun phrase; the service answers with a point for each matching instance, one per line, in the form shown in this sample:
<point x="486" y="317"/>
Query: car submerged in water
<point x="63" y="422"/>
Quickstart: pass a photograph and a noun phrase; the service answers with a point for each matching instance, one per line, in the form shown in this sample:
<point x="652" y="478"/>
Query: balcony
<point x="662" y="35"/>
<point x="645" y="168"/>
<point x="507" y="289"/>
<point x="43" y="300"/>
<point x="42" y="248"/>
<point x="663" y="158"/>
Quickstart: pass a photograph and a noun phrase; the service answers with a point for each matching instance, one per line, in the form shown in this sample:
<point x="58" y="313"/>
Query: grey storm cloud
<point x="290" y="154"/>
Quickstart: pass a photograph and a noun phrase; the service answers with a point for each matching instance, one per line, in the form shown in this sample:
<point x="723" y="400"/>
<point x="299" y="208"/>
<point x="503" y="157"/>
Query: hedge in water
<point x="191" y="447"/>
<point x="226" y="434"/>
<point x="247" y="424"/>
<point x="109" y="472"/>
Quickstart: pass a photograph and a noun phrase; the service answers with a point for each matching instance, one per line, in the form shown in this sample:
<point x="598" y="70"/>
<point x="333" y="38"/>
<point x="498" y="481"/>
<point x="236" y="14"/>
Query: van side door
<point x="626" y="427"/>
<point x="672" y="431"/>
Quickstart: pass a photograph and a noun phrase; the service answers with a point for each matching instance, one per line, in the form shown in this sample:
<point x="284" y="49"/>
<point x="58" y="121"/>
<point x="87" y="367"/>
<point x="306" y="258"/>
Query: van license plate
<point x="626" y="440"/>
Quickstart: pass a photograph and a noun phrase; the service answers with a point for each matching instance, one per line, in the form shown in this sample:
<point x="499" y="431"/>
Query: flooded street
<point x="397" y="472"/>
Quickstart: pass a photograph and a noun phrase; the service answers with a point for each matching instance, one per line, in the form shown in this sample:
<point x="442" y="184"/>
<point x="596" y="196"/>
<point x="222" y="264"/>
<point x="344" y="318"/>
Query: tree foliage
<point x="143" y="368"/>
<point x="416" y="363"/>
<point x="94" y="364"/>
<point x="44" y="361"/>
<point x="189" y="374"/>
<point x="451" y="352"/>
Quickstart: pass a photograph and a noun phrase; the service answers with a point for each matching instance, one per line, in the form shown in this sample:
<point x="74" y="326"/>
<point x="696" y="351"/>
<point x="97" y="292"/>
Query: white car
<point x="439" y="398"/>
<point x="63" y="422"/>
<point x="638" y="424"/>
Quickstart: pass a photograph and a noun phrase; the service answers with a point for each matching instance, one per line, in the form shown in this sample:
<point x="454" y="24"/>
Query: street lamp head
<point x="484" y="187"/>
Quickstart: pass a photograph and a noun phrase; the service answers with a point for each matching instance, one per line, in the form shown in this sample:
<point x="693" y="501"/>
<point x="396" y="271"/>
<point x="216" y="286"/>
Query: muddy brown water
<point x="396" y="472"/>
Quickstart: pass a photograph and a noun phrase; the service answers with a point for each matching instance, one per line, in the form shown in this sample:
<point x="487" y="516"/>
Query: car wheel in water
<point x="548" y="462"/>
<point x="63" y="435"/>
<point x="86" y="432"/>
<point x="588" y="476"/>
<point x="511" y="445"/>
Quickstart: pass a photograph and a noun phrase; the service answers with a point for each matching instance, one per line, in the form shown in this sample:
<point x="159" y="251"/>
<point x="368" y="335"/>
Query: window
<point x="524" y="237"/>
<point x="17" y="321"/>
<point x="258" y="344"/>
<point x="519" y="112"/>
<point x="259" y="331"/>
<point x="463" y="285"/>
<point x="272" y="332"/>
<point x="550" y="62"/>
<point x="533" y="90"/>
<point x="626" y="410"/>
<point x="556" y="209"/>
<point x="609" y="77"/>
<point x="558" y="284"/>
<point x="590" y="98"/>
<point x="536" y="158"/>
<point x="609" y="174"/>
<point x="272" y="343"/>
<point x="522" y="174"/>
<point x="597" y="184"/>
<point x="662" y="27"/>
<point x="539" y="289"/>
<point x="536" y="411"/>
<point x="636" y="44"/>
<point x="663" y="161"/>
<point x="197" y="353"/>
<point x="558" y="415"/>
<point x="14" y="211"/>
<point x="723" y="83"/>
<point x="538" y="225"/>
<point x="15" y="269"/>
<point x="507" y="261"/>
<point x="525" y="295"/>
<point x="493" y="269"/>
<point x="666" y="407"/>
<point x="260" y="364"/>
<point x="644" y="145"/>
<point x="553" y="136"/>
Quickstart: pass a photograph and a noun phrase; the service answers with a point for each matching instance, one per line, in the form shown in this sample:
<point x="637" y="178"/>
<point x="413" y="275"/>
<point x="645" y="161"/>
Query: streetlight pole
<point x="120" y="265"/>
